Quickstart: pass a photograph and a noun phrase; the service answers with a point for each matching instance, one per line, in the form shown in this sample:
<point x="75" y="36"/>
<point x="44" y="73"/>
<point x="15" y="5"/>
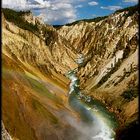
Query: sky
<point x="58" y="12"/>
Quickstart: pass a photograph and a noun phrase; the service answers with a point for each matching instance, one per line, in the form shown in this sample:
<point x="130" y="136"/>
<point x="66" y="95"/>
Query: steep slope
<point x="34" y="91"/>
<point x="35" y="50"/>
<point x="33" y="107"/>
<point x="110" y="50"/>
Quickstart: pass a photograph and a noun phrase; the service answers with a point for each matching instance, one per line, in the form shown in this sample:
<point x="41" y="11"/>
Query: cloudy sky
<point x="66" y="11"/>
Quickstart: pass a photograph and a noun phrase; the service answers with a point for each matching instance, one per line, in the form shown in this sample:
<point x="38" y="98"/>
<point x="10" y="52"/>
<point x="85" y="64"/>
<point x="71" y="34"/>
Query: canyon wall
<point x="33" y="52"/>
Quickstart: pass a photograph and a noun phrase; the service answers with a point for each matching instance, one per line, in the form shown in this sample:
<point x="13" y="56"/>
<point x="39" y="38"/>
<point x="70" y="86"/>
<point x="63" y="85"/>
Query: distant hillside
<point x="131" y="10"/>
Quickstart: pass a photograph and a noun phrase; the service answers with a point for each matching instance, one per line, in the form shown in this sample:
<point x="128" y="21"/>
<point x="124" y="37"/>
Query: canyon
<point x="36" y="58"/>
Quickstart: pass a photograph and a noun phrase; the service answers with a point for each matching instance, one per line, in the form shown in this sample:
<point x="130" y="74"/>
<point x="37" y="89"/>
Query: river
<point x="97" y="123"/>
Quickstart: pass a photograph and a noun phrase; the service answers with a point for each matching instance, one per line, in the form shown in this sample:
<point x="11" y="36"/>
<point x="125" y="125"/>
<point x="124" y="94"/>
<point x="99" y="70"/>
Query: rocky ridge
<point x="36" y="50"/>
<point x="110" y="49"/>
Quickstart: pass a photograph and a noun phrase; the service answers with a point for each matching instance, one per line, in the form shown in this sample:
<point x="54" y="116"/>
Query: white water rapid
<point x="98" y="123"/>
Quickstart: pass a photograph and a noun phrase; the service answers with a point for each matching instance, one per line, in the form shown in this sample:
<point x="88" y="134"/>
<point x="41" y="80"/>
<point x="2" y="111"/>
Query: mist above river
<point x="92" y="123"/>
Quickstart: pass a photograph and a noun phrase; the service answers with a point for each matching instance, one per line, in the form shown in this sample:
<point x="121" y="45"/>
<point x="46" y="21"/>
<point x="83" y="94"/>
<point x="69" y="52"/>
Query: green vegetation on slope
<point x="40" y="88"/>
<point x="131" y="10"/>
<point x="97" y="19"/>
<point x="16" y="18"/>
<point x="130" y="94"/>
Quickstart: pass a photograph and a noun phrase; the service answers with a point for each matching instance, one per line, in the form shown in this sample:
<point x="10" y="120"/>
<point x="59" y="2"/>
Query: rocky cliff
<point x="34" y="89"/>
<point x="35" y="54"/>
<point x="110" y="50"/>
<point x="38" y="49"/>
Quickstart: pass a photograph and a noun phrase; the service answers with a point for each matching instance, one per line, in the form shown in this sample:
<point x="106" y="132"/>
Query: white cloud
<point x="14" y="3"/>
<point x="113" y="8"/>
<point x="24" y="4"/>
<point x="132" y="1"/>
<point x="93" y="3"/>
<point x="40" y="1"/>
<point x="79" y="6"/>
<point x="58" y="6"/>
<point x="61" y="12"/>
<point x="61" y="16"/>
<point x="52" y="11"/>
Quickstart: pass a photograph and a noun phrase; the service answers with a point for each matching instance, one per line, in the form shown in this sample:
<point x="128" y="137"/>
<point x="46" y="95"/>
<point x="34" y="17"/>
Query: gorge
<point x="77" y="81"/>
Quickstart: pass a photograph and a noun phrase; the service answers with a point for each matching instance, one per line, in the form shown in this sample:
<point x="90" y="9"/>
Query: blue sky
<point x="66" y="11"/>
